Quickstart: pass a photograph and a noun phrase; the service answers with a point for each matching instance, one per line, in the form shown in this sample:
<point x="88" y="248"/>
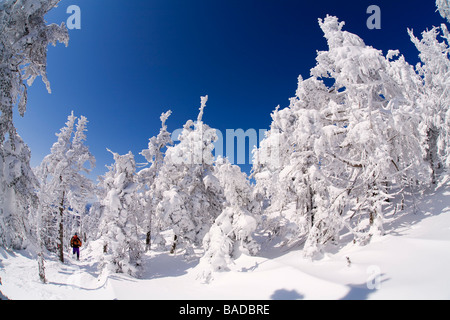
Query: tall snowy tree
<point x="434" y="98"/>
<point x="343" y="149"/>
<point x="18" y="199"/>
<point x="286" y="163"/>
<point x="119" y="227"/>
<point x="65" y="189"/>
<point x="232" y="231"/>
<point x="148" y="176"/>
<point x="24" y="37"/>
<point x="377" y="146"/>
<point x="187" y="205"/>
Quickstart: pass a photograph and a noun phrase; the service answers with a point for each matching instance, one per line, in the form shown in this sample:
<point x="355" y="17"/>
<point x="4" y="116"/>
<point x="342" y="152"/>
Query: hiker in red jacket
<point x="76" y="243"/>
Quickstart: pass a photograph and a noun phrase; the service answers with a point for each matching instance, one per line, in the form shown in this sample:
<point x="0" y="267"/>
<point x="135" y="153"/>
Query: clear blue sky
<point x="133" y="60"/>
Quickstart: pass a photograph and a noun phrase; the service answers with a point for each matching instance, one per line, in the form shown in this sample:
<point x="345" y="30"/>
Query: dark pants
<point x="77" y="251"/>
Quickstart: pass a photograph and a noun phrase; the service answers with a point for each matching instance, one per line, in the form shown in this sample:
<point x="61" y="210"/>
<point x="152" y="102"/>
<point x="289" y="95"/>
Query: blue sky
<point x="133" y="60"/>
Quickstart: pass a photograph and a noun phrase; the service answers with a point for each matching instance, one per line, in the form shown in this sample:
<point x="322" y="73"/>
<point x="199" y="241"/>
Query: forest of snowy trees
<point x="362" y="132"/>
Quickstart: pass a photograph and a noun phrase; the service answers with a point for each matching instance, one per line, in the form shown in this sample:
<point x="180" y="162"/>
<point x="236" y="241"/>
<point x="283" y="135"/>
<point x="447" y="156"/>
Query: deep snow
<point x="411" y="261"/>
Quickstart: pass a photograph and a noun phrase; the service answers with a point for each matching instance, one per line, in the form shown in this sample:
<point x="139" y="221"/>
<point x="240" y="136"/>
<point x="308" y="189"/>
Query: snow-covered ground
<point x="412" y="261"/>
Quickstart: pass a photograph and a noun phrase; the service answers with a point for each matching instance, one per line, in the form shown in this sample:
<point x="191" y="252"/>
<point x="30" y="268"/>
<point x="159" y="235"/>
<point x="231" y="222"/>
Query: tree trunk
<point x="41" y="266"/>
<point x="432" y="136"/>
<point x="148" y="237"/>
<point x="148" y="241"/>
<point x="311" y="205"/>
<point x="61" y="228"/>
<point x="174" y="245"/>
<point x="41" y="261"/>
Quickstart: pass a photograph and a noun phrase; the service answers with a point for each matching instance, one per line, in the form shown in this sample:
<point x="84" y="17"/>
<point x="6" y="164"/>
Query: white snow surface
<point x="411" y="261"/>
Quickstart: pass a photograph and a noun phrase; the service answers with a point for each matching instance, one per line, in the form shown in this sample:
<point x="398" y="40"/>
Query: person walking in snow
<point x="76" y="243"/>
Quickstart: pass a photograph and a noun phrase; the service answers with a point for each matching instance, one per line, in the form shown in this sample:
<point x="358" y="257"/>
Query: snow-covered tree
<point x="375" y="145"/>
<point x="187" y="205"/>
<point x="443" y="7"/>
<point x="286" y="162"/>
<point x="434" y="98"/>
<point x="119" y="225"/>
<point x="232" y="231"/>
<point x="18" y="200"/>
<point x="24" y="37"/>
<point x="148" y="177"/>
<point x="65" y="188"/>
<point x="342" y="149"/>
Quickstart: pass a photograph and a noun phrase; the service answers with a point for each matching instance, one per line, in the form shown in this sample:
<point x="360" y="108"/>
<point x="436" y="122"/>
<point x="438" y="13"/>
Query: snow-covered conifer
<point x="232" y="231"/>
<point x="434" y="97"/>
<point x="187" y="204"/>
<point x="24" y="38"/>
<point x="119" y="227"/>
<point x="65" y="189"/>
<point x="148" y="177"/>
<point x="18" y="201"/>
<point x="287" y="177"/>
<point x="372" y="148"/>
<point x="342" y="148"/>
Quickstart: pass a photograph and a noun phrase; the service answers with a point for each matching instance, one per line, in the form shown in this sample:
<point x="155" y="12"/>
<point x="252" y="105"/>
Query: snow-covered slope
<point x="410" y="262"/>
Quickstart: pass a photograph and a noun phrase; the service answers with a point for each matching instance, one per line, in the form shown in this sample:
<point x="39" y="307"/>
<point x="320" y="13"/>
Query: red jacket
<point x="75" y="242"/>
